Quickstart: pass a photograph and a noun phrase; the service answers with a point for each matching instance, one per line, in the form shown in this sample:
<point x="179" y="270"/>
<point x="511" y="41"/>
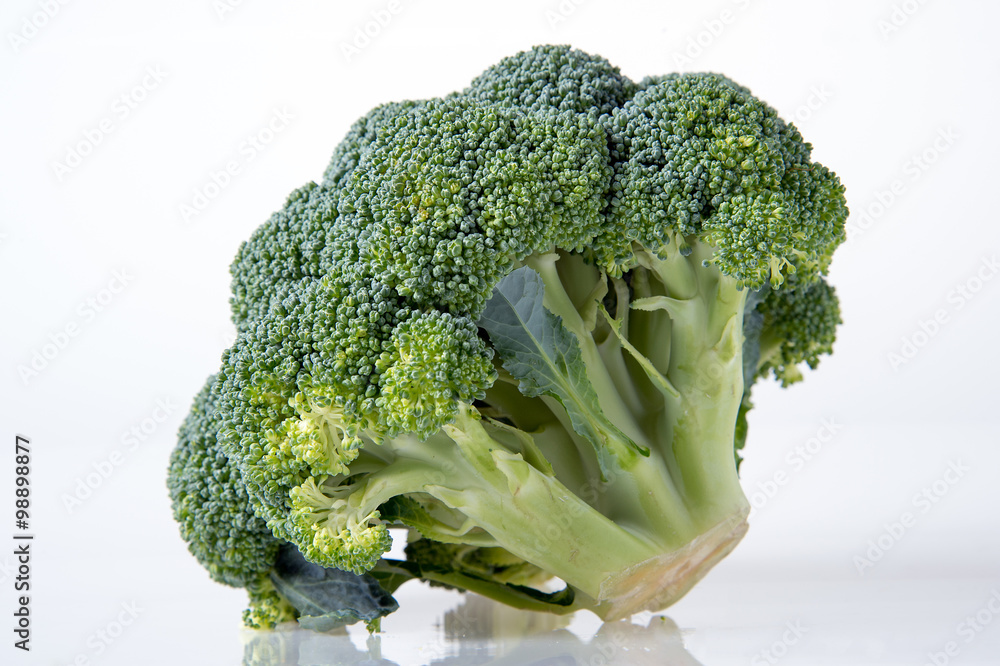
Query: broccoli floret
<point x="211" y="506"/>
<point x="557" y="77"/>
<point x="210" y="501"/>
<point x="697" y="155"/>
<point x="454" y="191"/>
<point x="288" y="247"/>
<point x="799" y="325"/>
<point x="523" y="322"/>
<point x="217" y="519"/>
<point x="348" y="153"/>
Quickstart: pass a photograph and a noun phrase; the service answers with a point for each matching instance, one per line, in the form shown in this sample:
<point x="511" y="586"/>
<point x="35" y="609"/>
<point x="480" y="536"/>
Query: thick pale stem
<point x="642" y="537"/>
<point x="643" y="497"/>
<point x="538" y="519"/>
<point x="525" y="511"/>
<point x="706" y="368"/>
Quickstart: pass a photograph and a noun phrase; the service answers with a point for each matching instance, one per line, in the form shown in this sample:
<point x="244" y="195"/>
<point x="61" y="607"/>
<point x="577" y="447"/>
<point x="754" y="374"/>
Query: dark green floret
<point x="799" y="325"/>
<point x="697" y="155"/>
<point x="211" y="506"/>
<point x="451" y="193"/>
<point x="362" y="133"/>
<point x="210" y="501"/>
<point x="553" y="77"/>
<point x="292" y="245"/>
<point x="217" y="520"/>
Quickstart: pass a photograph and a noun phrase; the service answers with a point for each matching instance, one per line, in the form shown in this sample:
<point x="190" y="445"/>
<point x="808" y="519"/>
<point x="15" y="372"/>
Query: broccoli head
<point x="523" y="322"/>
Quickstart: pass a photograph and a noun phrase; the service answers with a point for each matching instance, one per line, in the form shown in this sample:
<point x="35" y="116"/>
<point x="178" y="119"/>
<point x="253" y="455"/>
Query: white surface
<point x="877" y="100"/>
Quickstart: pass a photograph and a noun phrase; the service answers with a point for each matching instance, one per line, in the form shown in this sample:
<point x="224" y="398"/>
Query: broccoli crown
<point x="427" y="205"/>
<point x="554" y="280"/>
<point x="210" y="502"/>
<point x="697" y="155"/>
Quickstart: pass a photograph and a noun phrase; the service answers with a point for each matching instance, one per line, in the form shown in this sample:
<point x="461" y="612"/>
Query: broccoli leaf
<point x="541" y="353"/>
<point x="328" y="598"/>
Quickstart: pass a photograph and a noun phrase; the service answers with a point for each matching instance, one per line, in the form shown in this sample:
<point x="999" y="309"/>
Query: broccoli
<point x="523" y="322"/>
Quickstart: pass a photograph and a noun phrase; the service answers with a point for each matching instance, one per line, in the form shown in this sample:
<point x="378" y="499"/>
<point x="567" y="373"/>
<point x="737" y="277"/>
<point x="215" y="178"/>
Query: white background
<point x="898" y="96"/>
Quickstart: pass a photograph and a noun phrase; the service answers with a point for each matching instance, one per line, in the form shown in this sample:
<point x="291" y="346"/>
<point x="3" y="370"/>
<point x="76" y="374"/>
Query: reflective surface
<point x="760" y="623"/>
<point x="480" y="631"/>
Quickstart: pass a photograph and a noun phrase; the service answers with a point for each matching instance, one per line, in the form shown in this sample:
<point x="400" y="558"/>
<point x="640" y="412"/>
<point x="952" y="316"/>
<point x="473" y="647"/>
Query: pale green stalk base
<point x="661" y="581"/>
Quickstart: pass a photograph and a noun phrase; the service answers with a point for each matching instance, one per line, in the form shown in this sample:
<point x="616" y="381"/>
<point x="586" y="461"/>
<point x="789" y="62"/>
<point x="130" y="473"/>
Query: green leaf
<point x="328" y="598"/>
<point x="544" y="356"/>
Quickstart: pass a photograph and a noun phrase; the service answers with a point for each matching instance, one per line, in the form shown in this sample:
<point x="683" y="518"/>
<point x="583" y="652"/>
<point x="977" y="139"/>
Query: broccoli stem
<point x="669" y="515"/>
<point x="643" y="497"/>
<point x="531" y="514"/>
<point x="706" y="368"/>
<point x="687" y="321"/>
<point x="669" y="374"/>
<point x="511" y="595"/>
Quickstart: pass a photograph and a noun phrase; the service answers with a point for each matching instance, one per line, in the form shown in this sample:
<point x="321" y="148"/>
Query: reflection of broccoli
<point x="520" y="637"/>
<point x="294" y="646"/>
<point x="523" y="322"/>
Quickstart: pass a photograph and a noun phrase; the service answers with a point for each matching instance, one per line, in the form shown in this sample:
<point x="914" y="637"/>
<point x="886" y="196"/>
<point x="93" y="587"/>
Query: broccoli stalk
<point x="667" y="367"/>
<point x="667" y="370"/>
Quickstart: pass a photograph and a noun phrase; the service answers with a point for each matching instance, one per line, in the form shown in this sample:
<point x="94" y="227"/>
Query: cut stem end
<point x="661" y="581"/>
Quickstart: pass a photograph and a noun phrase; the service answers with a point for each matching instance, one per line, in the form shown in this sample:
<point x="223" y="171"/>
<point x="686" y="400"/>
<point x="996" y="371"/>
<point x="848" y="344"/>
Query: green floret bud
<point x="815" y="197"/>
<point x="437" y="359"/>
<point x="321" y="438"/>
<point x="291" y="245"/>
<point x="334" y="528"/>
<point x="299" y="386"/>
<point x="697" y="155"/>
<point x="267" y="607"/>
<point x="553" y="77"/>
<point x="349" y="151"/>
<point x="799" y="325"/>
<point x="454" y="191"/>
